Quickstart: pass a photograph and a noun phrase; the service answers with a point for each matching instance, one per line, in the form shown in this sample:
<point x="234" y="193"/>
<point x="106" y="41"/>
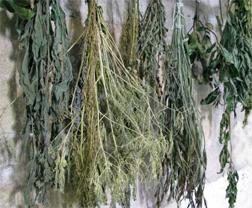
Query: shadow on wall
<point x="7" y="29"/>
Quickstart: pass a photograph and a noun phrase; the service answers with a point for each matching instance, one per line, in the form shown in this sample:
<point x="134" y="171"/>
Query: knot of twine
<point x="180" y="4"/>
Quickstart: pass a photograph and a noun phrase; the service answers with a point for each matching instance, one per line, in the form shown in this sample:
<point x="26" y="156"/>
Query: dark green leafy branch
<point x="231" y="191"/>
<point x="231" y="61"/>
<point x="45" y="76"/>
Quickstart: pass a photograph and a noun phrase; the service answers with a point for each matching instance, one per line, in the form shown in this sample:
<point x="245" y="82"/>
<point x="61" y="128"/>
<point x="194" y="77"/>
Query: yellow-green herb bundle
<point x="113" y="143"/>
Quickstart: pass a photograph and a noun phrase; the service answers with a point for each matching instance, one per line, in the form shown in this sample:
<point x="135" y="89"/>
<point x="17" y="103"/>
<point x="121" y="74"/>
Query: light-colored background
<point x="11" y="172"/>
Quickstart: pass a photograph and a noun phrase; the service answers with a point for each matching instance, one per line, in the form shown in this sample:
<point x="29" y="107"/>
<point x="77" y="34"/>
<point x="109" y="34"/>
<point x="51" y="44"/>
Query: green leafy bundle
<point x="113" y="142"/>
<point x="152" y="46"/>
<point x="200" y="48"/>
<point x="45" y="76"/>
<point x="232" y="62"/>
<point x="184" y="167"/>
<point x="232" y="59"/>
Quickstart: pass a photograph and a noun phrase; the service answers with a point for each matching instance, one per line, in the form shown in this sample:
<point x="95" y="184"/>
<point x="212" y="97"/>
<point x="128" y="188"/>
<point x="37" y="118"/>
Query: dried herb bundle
<point x="184" y="167"/>
<point x="232" y="62"/>
<point x="130" y="33"/>
<point x="45" y="76"/>
<point x="113" y="143"/>
<point x="152" y="47"/>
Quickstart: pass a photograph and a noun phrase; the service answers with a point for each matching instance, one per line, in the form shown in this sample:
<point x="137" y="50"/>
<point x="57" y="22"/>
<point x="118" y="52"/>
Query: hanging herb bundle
<point x="143" y="46"/>
<point x="184" y="167"/>
<point x="232" y="62"/>
<point x="45" y="76"/>
<point x="200" y="48"/>
<point x="152" y="48"/>
<point x="130" y="33"/>
<point x="113" y="141"/>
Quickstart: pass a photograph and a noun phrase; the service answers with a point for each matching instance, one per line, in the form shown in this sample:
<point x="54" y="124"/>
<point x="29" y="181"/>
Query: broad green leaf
<point x="18" y="8"/>
<point x="227" y="56"/>
<point x="22" y="12"/>
<point x="212" y="97"/>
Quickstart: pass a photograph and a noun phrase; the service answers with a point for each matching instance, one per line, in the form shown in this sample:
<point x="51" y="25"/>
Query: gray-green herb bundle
<point x="45" y="76"/>
<point x="113" y="141"/>
<point x="184" y="167"/>
<point x="151" y="48"/>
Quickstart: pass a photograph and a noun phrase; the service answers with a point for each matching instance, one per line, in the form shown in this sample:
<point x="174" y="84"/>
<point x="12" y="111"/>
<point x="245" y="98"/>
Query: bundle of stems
<point x="143" y="47"/>
<point x="184" y="167"/>
<point x="113" y="142"/>
<point x="45" y="75"/>
<point x="151" y="48"/>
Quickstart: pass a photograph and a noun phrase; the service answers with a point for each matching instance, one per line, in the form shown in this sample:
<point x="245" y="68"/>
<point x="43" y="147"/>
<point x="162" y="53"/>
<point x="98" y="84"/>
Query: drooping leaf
<point x="213" y="97"/>
<point x="18" y="7"/>
<point x="231" y="191"/>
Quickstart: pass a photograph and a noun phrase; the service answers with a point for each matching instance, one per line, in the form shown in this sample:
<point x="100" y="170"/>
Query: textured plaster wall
<point x="11" y="173"/>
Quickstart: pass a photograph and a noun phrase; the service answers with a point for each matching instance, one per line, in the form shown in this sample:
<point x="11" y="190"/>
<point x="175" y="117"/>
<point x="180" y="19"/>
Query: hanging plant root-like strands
<point x="184" y="167"/>
<point x="113" y="141"/>
<point x="152" y="46"/>
<point x="45" y="76"/>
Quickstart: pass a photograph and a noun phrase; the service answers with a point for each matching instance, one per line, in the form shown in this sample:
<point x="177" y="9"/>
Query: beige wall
<point x="10" y="115"/>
